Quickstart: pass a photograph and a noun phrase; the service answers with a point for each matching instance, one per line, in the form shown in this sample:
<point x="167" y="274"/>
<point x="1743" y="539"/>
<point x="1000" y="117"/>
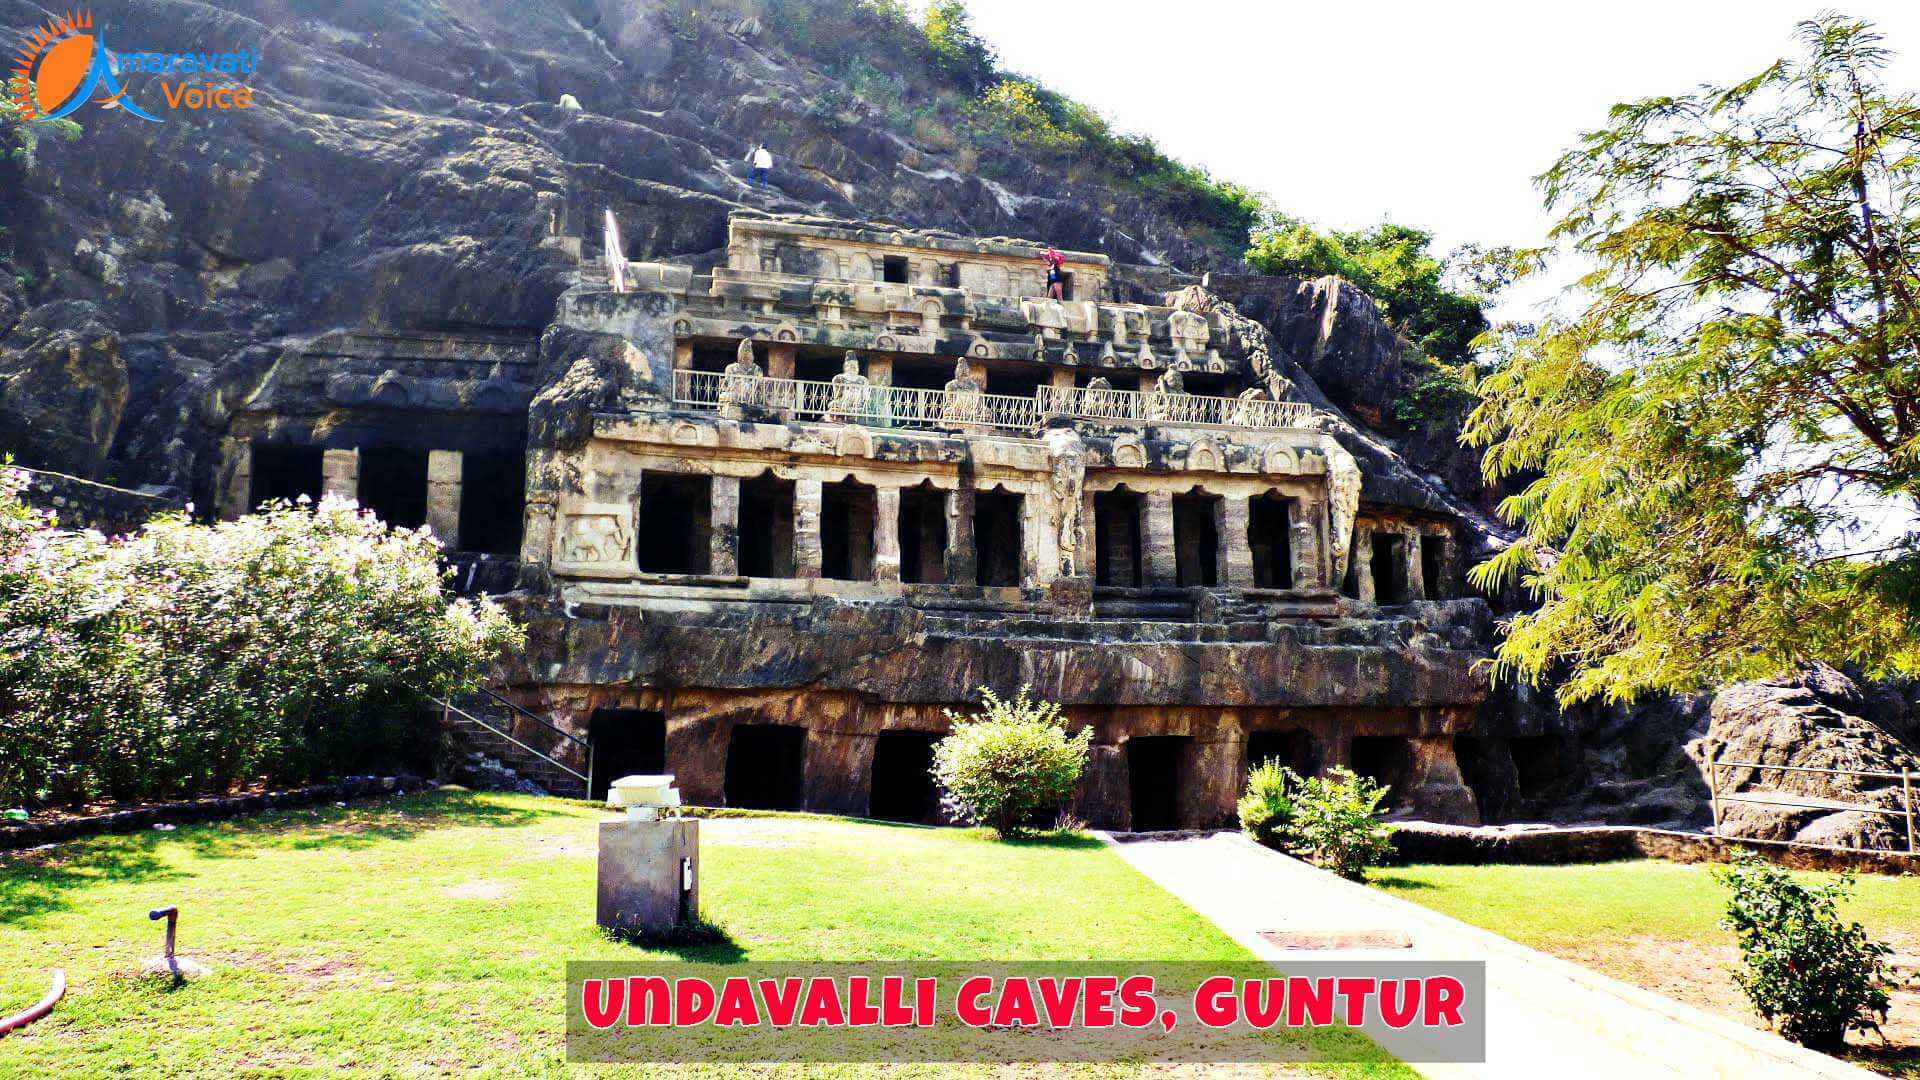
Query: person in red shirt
<point x="1056" y="277"/>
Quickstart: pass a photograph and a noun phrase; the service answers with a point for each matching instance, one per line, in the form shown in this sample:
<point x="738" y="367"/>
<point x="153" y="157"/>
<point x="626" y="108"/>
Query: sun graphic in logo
<point x="62" y="66"/>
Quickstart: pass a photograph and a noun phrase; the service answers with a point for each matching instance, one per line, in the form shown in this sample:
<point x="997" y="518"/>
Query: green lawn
<point x="428" y="935"/>
<point x="1654" y="924"/>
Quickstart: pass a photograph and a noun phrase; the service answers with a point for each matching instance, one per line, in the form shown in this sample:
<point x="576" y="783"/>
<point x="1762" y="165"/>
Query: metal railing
<point x="1154" y="407"/>
<point x="517" y="712"/>
<point x="1796" y="801"/>
<point x="912" y="409"/>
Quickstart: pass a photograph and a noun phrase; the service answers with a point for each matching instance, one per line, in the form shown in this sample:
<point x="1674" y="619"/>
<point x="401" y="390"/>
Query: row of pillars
<point x="879" y="367"/>
<point x="340" y="477"/>
<point x="808" y="552"/>
<point x="1413" y="541"/>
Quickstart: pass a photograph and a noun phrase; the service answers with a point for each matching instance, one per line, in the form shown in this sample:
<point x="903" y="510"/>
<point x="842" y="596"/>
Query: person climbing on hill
<point x="762" y="160"/>
<point x="1056" y="273"/>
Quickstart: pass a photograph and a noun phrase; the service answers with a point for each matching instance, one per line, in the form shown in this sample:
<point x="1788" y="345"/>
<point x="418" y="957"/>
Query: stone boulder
<point x="63" y="388"/>
<point x="1823" y="719"/>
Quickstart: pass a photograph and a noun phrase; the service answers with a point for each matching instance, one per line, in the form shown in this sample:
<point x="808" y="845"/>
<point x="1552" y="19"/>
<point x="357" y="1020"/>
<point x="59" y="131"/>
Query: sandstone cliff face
<point x="399" y="171"/>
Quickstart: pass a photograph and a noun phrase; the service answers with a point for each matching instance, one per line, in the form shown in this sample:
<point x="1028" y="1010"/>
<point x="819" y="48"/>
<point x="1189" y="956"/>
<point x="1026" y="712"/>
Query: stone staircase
<point x="521" y="740"/>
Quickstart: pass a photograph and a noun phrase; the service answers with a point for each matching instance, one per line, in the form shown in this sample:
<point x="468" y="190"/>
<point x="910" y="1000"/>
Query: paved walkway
<point x="1547" y="1017"/>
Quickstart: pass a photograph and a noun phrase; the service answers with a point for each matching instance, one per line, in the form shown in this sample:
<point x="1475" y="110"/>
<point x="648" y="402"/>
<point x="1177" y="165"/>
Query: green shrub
<point x="1011" y="765"/>
<point x="186" y="658"/>
<point x="1811" y="974"/>
<point x="1266" y="810"/>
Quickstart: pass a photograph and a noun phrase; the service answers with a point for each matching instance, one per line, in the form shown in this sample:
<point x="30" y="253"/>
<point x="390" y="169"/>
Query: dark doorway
<point x="493" y="499"/>
<point x="996" y="538"/>
<point x="818" y="367"/>
<point x="916" y="374"/>
<point x="283" y="472"/>
<point x="713" y="358"/>
<point x="676" y="520"/>
<point x="1153" y="770"/>
<point x="902" y="776"/>
<point x="1294" y="749"/>
<point x="1269" y="535"/>
<point x="1066" y="284"/>
<point x="923" y="536"/>
<point x="1430" y="578"/>
<point x="1196" y="540"/>
<point x="765" y="766"/>
<point x="1537" y="764"/>
<point x="626" y="742"/>
<point x="393" y="484"/>
<point x="1116" y="539"/>
<point x="1389" y="568"/>
<point x="1022" y="383"/>
<point x="1384" y="759"/>
<point x="893" y="269"/>
<point x="846" y="531"/>
<point x="766" y="527"/>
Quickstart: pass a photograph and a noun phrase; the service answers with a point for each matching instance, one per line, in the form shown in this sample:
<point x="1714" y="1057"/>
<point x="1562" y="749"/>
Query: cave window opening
<point x="1196" y="540"/>
<point x="893" y="270"/>
<point x="676" y="523"/>
<point x="1389" y="568"/>
<point x="1269" y="520"/>
<point x="1021" y="383"/>
<point x="902" y="787"/>
<point x="817" y="367"/>
<point x="282" y="471"/>
<point x="997" y="539"/>
<point x="1155" y="765"/>
<point x="493" y="493"/>
<point x="923" y="536"/>
<point x="1116" y="538"/>
<point x="712" y="358"/>
<point x="393" y="484"/>
<point x="765" y="766"/>
<point x="766" y="527"/>
<point x="625" y="742"/>
<point x="915" y="374"/>
<point x="846" y="531"/>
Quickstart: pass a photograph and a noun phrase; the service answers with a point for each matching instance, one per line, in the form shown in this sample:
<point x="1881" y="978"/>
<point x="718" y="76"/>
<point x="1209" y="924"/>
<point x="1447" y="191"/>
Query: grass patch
<point x="429" y="934"/>
<point x="1655" y="924"/>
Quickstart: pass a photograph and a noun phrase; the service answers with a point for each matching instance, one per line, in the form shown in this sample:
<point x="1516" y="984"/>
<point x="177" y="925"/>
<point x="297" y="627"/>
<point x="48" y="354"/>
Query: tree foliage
<point x="1726" y="432"/>
<point x="958" y="52"/>
<point x="1012" y="766"/>
<point x="187" y="658"/>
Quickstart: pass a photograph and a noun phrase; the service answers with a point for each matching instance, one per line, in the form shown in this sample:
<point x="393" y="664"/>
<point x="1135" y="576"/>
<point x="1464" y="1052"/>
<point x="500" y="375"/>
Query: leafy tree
<point x="1012" y="764"/>
<point x="959" y="52"/>
<point x="1726" y="431"/>
<point x="1807" y="971"/>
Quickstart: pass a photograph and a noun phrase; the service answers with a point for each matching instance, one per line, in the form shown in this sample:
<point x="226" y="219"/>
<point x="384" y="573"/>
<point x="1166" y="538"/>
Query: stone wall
<point x="84" y="504"/>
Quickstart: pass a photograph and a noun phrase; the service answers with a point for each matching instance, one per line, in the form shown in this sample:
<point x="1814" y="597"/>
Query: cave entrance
<point x="893" y="269"/>
<point x="846" y="531"/>
<point x="902" y="787"/>
<point x="765" y="764"/>
<point x="1196" y="539"/>
<point x="1430" y="567"/>
<point x="1021" y="383"/>
<point x="283" y="471"/>
<point x="625" y="742"/>
<point x="923" y="535"/>
<point x="1536" y="764"/>
<point x="1389" y="568"/>
<point x="1269" y="523"/>
<point x="393" y="484"/>
<point x="766" y="527"/>
<point x="996" y="538"/>
<point x="493" y="499"/>
<point x="676" y="522"/>
<point x="1294" y="749"/>
<point x="1384" y="759"/>
<point x="1116" y="538"/>
<point x="1155" y="764"/>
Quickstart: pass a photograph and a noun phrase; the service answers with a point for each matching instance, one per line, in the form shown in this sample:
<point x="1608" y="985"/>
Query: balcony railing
<point x="911" y="409"/>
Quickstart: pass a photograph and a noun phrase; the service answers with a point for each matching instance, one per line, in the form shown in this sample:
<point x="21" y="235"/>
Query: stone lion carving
<point x="595" y="538"/>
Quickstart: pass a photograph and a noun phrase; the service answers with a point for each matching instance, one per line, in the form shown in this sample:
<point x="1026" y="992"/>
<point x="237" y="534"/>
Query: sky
<point x="1435" y="115"/>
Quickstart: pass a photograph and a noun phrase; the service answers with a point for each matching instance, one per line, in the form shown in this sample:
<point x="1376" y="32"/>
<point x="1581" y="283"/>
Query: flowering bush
<point x="286" y="645"/>
<point x="1011" y="764"/>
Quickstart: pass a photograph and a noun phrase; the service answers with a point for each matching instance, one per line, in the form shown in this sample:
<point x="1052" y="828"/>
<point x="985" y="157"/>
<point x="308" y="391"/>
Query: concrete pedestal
<point x="643" y="865"/>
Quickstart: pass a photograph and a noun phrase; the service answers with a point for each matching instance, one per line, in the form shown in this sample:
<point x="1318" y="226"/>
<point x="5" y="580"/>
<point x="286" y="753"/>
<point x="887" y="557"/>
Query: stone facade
<point x="785" y="515"/>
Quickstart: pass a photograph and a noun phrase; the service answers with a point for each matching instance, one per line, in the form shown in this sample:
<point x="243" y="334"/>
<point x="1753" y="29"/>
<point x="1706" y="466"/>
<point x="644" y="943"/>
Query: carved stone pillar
<point x="1416" y="573"/>
<point x="1161" y="563"/>
<point x="443" y="496"/>
<point x="236" y="474"/>
<point x="1304" y="539"/>
<point x="536" y="534"/>
<point x="1363" y="564"/>
<point x="780" y="360"/>
<point x="723" y="535"/>
<point x="963" y="567"/>
<point x="340" y="474"/>
<point x="806" y="528"/>
<point x="683" y="356"/>
<point x="1434" y="788"/>
<point x="1233" y="516"/>
<point x="886" y="534"/>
